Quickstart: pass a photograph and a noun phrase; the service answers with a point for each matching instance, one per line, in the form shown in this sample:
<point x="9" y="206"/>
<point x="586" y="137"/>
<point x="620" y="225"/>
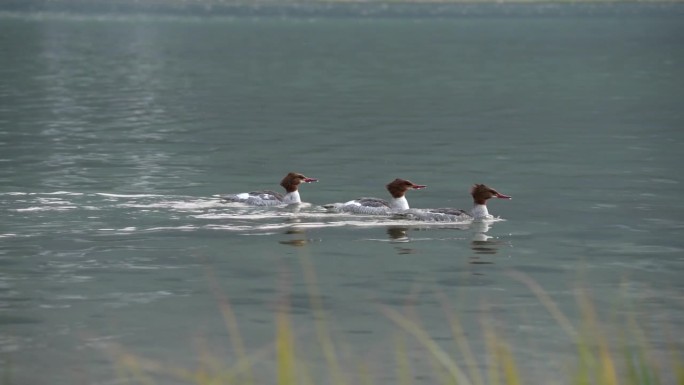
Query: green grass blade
<point x="437" y="352"/>
<point x="285" y="354"/>
<point x="404" y="375"/>
<point x="322" y="332"/>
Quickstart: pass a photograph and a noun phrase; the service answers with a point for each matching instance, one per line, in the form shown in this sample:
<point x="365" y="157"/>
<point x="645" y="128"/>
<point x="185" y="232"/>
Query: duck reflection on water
<point x="481" y="243"/>
<point x="297" y="233"/>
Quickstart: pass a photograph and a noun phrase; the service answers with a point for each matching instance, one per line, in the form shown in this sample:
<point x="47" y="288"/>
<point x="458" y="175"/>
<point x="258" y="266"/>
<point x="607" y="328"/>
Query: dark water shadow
<point x="399" y="234"/>
<point x="298" y="236"/>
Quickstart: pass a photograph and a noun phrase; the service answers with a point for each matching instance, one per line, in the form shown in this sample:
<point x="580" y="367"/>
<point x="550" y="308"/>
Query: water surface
<point x="116" y="133"/>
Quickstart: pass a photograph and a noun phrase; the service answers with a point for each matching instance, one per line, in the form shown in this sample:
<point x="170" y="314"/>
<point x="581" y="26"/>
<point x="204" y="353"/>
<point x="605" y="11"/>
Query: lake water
<point x="117" y="132"/>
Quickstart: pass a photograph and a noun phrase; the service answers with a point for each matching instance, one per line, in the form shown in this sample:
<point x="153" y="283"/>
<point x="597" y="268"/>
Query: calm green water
<point x="117" y="132"/>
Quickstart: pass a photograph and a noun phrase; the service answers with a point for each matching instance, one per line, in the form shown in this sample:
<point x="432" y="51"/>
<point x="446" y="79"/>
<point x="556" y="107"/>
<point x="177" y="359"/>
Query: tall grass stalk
<point x="546" y="300"/>
<point x="131" y="367"/>
<point x="322" y="333"/>
<point x="596" y="360"/>
<point x="424" y="339"/>
<point x="607" y="373"/>
<point x="231" y="323"/>
<point x="493" y="364"/>
<point x="638" y="365"/>
<point x="404" y="372"/>
<point x="285" y="353"/>
<point x="508" y="366"/>
<point x="461" y="341"/>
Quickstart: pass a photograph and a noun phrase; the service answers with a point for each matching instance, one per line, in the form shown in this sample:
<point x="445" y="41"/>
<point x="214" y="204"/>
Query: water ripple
<point x="124" y="214"/>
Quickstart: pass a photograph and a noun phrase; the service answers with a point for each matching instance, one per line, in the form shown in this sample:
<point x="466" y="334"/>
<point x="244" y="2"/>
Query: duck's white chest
<point x="480" y="212"/>
<point x="399" y="204"/>
<point x="292" y="197"/>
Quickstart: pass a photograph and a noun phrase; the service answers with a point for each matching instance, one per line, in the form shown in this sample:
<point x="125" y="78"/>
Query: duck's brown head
<point x="292" y="180"/>
<point x="481" y="193"/>
<point x="398" y="187"/>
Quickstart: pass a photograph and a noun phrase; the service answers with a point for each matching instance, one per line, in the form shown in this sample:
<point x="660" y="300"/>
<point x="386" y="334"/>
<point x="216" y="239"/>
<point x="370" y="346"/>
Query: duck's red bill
<point x="309" y="180"/>
<point x="419" y="186"/>
<point x="502" y="196"/>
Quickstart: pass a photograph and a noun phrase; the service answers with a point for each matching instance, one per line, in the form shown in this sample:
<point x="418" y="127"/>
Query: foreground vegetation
<point x="607" y="353"/>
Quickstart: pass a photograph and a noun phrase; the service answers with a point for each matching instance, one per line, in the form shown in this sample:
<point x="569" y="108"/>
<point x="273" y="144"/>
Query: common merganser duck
<point x="290" y="183"/>
<point x="374" y="206"/>
<point x="481" y="194"/>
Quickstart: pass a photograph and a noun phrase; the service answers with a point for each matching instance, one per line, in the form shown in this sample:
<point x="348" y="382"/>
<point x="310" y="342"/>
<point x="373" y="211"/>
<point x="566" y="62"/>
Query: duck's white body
<point x="370" y="206"/>
<point x="377" y="206"/>
<point x="264" y="198"/>
<point x="291" y="183"/>
<point x="479" y="212"/>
